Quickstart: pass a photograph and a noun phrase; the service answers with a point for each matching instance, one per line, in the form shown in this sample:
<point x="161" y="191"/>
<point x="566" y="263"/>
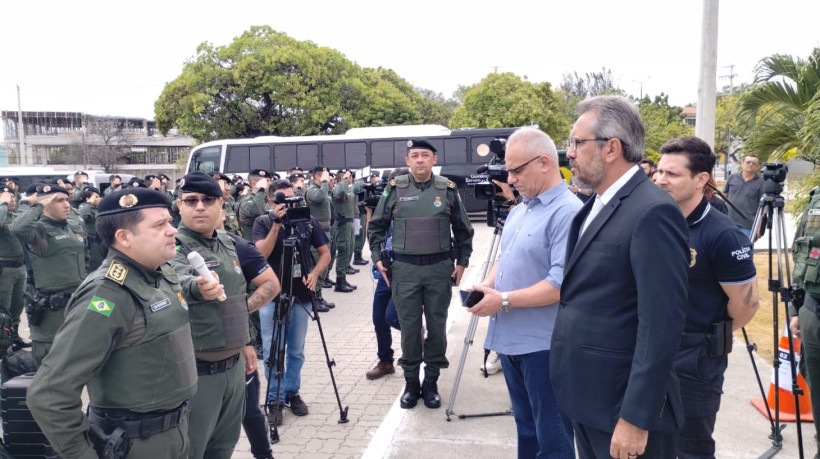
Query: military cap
<point x="136" y="183"/>
<point x="342" y="171"/>
<point x="32" y="188"/>
<point x="51" y="189"/>
<point x="150" y="177"/>
<point x="237" y="179"/>
<point x="318" y="169"/>
<point x="275" y="176"/>
<point x="11" y="180"/>
<point x="200" y="182"/>
<point x="296" y="177"/>
<point x="6" y="189"/>
<point x="420" y="143"/>
<point x="131" y="199"/>
<point x="164" y="177"/>
<point x="220" y="176"/>
<point x="89" y="190"/>
<point x="80" y="173"/>
<point x="261" y="173"/>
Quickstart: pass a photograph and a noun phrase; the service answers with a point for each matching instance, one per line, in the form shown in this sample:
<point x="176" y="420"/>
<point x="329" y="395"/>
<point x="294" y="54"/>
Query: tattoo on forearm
<point x="747" y="298"/>
<point x="262" y="296"/>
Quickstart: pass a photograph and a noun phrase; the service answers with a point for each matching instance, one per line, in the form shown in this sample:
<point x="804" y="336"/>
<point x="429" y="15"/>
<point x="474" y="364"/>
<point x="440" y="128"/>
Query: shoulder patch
<point x="117" y="272"/>
<point x="451" y="184"/>
<point x="101" y="306"/>
<point x="392" y="182"/>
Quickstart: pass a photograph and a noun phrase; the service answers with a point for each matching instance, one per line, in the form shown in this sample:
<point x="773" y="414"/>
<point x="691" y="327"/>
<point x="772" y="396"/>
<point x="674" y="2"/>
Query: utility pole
<point x="495" y="68"/>
<point x="705" y="124"/>
<point x="731" y="76"/>
<point x="21" y="131"/>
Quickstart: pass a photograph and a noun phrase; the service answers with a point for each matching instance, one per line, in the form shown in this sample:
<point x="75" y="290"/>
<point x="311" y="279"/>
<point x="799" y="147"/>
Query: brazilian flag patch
<point x="101" y="305"/>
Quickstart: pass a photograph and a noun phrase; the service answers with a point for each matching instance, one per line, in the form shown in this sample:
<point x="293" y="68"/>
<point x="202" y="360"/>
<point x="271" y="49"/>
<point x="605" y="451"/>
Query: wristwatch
<point x="505" y="303"/>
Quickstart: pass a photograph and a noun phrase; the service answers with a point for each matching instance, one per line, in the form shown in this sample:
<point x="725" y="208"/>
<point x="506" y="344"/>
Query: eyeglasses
<point x="573" y="142"/>
<point x="208" y="201"/>
<point x="520" y="168"/>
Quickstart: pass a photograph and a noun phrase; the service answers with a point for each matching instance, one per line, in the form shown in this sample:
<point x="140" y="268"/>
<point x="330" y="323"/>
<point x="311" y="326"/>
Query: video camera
<point x="496" y="169"/>
<point x="295" y="212"/>
<point x="774" y="175"/>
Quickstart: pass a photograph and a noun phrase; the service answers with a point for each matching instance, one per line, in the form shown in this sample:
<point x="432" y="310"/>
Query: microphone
<point x="198" y="263"/>
<point x="279" y="198"/>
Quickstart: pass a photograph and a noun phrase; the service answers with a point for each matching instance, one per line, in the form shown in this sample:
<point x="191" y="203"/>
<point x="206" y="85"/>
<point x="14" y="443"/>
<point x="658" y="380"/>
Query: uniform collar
<point x="699" y="213"/>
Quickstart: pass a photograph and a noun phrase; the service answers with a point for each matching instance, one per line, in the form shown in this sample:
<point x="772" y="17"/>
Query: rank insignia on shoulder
<point x="101" y="306"/>
<point x="451" y="184"/>
<point x="117" y="272"/>
<point x="393" y="182"/>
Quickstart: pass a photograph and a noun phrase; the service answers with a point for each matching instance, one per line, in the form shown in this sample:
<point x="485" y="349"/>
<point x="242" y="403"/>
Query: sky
<point x="114" y="58"/>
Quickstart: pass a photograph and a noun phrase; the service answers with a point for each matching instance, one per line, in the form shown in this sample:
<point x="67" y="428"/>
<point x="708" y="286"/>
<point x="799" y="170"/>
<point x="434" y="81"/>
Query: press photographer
<point x="500" y="198"/>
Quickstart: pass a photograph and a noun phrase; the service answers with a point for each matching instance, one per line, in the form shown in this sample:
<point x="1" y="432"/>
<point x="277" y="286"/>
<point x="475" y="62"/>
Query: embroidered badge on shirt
<point x="815" y="253"/>
<point x="182" y="301"/>
<point x="212" y="264"/>
<point x="437" y="202"/>
<point x="161" y="304"/>
<point x="693" y="254"/>
<point x="101" y="305"/>
<point x="117" y="272"/>
<point x="236" y="267"/>
<point x="408" y="198"/>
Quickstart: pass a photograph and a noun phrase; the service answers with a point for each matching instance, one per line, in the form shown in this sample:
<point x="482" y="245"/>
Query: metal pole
<point x="705" y="123"/>
<point x="21" y="131"/>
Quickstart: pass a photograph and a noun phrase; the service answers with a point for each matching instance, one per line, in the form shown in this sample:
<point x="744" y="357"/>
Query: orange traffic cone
<point x="788" y="413"/>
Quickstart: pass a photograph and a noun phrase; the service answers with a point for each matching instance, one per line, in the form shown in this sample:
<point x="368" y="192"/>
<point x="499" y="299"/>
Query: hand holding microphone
<point x="198" y="263"/>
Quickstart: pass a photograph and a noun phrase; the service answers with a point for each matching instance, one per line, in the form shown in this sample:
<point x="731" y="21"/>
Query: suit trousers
<point x="594" y="443"/>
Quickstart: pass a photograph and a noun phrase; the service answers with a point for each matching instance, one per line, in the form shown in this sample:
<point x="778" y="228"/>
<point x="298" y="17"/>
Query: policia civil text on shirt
<point x="58" y="260"/>
<point x="423" y="208"/>
<point x="126" y="337"/>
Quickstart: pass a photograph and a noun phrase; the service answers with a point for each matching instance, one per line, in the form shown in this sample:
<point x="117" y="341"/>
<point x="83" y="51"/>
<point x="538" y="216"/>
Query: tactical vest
<point x="421" y="219"/>
<point x="806" y="247"/>
<point x="62" y="267"/>
<point x="158" y="371"/>
<point x="319" y="210"/>
<point x="231" y="222"/>
<point x="219" y="325"/>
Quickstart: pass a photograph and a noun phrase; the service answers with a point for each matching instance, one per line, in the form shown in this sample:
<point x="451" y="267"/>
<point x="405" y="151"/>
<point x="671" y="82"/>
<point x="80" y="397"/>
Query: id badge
<point x="297" y="271"/>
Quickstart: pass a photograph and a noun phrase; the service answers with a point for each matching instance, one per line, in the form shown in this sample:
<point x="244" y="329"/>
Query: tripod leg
<point x="330" y="362"/>
<point x="275" y="363"/>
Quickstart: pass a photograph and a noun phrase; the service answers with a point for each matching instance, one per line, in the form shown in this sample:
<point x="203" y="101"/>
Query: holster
<point x="36" y="308"/>
<point x="341" y="219"/>
<point x="721" y="339"/>
<point x="110" y="446"/>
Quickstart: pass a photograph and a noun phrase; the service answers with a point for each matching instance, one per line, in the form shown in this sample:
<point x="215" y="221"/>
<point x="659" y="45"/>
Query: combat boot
<point x="412" y="393"/>
<point x="342" y="285"/>
<point x="17" y="341"/>
<point x="358" y="260"/>
<point x="429" y="391"/>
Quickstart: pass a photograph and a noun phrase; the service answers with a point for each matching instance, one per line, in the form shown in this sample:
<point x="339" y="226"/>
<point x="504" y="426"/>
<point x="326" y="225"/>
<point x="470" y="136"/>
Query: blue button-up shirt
<point x="533" y="245"/>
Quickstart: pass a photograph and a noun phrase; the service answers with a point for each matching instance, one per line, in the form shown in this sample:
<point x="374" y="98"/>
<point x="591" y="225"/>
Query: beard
<point x="591" y="176"/>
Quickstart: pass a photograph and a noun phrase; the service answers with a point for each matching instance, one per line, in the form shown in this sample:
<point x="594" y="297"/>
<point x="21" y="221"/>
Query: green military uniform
<point x="96" y="250"/>
<point x="806" y="248"/>
<point x="317" y="198"/>
<point x="175" y="216"/>
<point x="58" y="261"/>
<point x="422" y="215"/>
<point x="126" y="335"/>
<point x="332" y="240"/>
<point x="77" y="197"/>
<point x="250" y="207"/>
<point x="12" y="270"/>
<point x="345" y="203"/>
<point x="361" y="214"/>
<point x="231" y="221"/>
<point x="220" y="331"/>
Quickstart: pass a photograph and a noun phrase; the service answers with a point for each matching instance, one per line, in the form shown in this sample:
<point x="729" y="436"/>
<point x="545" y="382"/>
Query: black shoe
<point x="411" y="395"/>
<point x="429" y="392"/>
<point x="360" y="261"/>
<point x="326" y="304"/>
<point x="320" y="307"/>
<point x="350" y="270"/>
<point x="296" y="405"/>
<point x="276" y="413"/>
<point x="350" y="285"/>
<point x="342" y="286"/>
<point x="328" y="283"/>
<point x="20" y="343"/>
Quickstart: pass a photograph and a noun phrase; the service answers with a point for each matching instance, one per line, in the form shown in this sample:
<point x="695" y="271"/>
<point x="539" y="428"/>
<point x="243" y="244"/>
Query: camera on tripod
<point x="774" y="174"/>
<point x="295" y="212"/>
<point x="496" y="169"/>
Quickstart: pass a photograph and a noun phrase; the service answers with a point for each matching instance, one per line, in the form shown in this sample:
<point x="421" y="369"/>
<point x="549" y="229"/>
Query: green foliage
<point x="779" y="115"/>
<point x="662" y="123"/>
<point x="507" y="100"/>
<point x="725" y="123"/>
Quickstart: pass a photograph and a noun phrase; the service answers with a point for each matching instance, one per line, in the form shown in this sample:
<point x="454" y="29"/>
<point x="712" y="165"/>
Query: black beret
<point x="237" y="178"/>
<point x="6" y="189"/>
<point x="52" y="188"/>
<point x="136" y="183"/>
<point x="150" y="177"/>
<point x="199" y="182"/>
<point x="318" y="169"/>
<point x="11" y="180"/>
<point x="296" y="177"/>
<point x="275" y="176"/>
<point x="342" y="171"/>
<point x="89" y="190"/>
<point x="164" y="177"/>
<point x="80" y="173"/>
<point x="220" y="176"/>
<point x="132" y="199"/>
<point x="261" y="173"/>
<point x="32" y="188"/>
<point x="420" y="143"/>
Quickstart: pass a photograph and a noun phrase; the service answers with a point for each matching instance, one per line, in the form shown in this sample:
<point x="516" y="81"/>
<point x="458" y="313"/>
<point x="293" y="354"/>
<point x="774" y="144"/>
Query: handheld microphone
<point x="198" y="263"/>
<point x="279" y="198"/>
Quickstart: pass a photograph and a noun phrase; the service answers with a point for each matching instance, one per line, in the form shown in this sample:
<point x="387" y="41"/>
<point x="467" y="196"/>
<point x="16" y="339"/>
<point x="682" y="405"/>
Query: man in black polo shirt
<point x="722" y="291"/>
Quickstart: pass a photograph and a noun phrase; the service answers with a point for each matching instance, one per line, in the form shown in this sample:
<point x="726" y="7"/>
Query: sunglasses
<point x="208" y="201"/>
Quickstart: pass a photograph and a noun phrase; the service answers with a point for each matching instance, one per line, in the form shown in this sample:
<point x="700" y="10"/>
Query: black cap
<point x="136" y="183"/>
<point x="318" y="169"/>
<point x="150" y="177"/>
<point x="261" y="173"/>
<point x="52" y="188"/>
<point x="32" y="188"/>
<point x="342" y="171"/>
<point x="6" y="189"/>
<point x="220" y="176"/>
<point x="80" y="173"/>
<point x="420" y="143"/>
<point x="237" y="178"/>
<point x="131" y="199"/>
<point x="89" y="190"/>
<point x="11" y="180"/>
<point x="164" y="177"/>
<point x="296" y="177"/>
<point x="275" y="176"/>
<point x="199" y="182"/>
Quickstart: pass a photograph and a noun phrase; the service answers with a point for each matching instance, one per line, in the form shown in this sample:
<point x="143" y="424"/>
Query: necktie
<point x="596" y="208"/>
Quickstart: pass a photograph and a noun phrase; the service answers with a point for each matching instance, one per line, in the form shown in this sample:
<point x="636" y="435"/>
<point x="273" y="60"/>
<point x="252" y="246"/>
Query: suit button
<point x="562" y="304"/>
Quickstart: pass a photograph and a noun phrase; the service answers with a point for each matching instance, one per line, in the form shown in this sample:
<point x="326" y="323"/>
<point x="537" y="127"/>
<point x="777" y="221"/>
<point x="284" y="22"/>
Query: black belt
<point x="421" y="260"/>
<point x="811" y="303"/>
<point x="211" y="368"/>
<point x="137" y="425"/>
<point x="11" y="263"/>
<point x="688" y="339"/>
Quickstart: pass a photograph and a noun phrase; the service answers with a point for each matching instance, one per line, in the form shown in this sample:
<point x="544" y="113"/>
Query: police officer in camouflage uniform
<point x="423" y="208"/>
<point x="96" y="250"/>
<point x="220" y="328"/>
<point x="12" y="270"/>
<point x="56" y="245"/>
<point x="127" y="338"/>
<point x="317" y="198"/>
<point x="231" y="222"/>
<point x="255" y="203"/>
<point x="805" y="319"/>
<point x="346" y="209"/>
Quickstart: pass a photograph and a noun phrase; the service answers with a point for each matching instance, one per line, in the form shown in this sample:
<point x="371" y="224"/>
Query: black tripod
<point x="275" y="363"/>
<point x="771" y="206"/>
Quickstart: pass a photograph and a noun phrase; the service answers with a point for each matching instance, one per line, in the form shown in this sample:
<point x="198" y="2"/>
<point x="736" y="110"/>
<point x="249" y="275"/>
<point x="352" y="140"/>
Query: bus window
<point x="238" y="159"/>
<point x="206" y="159"/>
<point x="355" y="155"/>
<point x="333" y="155"/>
<point x="260" y="157"/>
<point x="438" y="144"/>
<point x="455" y="151"/>
<point x="381" y="154"/>
<point x="307" y="156"/>
<point x="399" y="153"/>
<point x="285" y="157"/>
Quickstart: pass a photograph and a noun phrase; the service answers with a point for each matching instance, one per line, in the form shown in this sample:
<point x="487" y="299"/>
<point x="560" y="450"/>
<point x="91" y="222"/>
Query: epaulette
<point x="441" y="182"/>
<point x="402" y="181"/>
<point x="117" y="272"/>
<point x="451" y="184"/>
<point x="392" y="182"/>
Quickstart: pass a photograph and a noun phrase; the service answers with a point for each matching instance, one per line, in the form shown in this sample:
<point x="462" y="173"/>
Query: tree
<point x="779" y="115"/>
<point x="434" y="109"/>
<point x="110" y="144"/>
<point x="725" y="124"/>
<point x="575" y="88"/>
<point x="507" y="100"/>
<point x="661" y="122"/>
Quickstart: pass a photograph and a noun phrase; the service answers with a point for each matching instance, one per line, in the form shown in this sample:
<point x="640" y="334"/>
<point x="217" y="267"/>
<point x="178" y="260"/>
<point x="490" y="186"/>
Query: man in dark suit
<point x="623" y="299"/>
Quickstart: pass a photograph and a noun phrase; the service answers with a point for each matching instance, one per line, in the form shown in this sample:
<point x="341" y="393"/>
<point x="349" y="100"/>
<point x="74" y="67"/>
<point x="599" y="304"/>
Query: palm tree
<point x="779" y="116"/>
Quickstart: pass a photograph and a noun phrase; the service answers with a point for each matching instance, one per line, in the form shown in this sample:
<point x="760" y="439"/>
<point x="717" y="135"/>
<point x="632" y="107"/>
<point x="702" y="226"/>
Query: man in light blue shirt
<point x="522" y="291"/>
